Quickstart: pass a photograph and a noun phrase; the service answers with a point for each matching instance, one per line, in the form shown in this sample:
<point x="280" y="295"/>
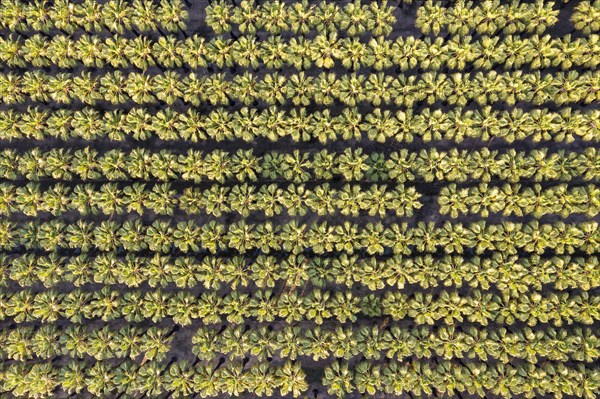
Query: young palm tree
<point x="352" y="89"/>
<point x="246" y="15"/>
<point x="245" y="88"/>
<point x="543" y="16"/>
<point x="490" y="17"/>
<point x="139" y="87"/>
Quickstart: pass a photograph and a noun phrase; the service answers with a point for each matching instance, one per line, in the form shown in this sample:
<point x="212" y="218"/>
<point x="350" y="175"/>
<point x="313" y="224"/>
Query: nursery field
<point x="299" y="199"/>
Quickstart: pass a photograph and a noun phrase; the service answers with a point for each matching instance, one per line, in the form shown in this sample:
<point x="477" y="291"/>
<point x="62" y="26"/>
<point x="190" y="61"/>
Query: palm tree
<point x="352" y="164"/>
<point x="245" y="88"/>
<point x="540" y="51"/>
<point x="490" y="17"/>
<point x="274" y="16"/>
<point x="300" y="16"/>
<point x="143" y="15"/>
<point x="11" y="89"/>
<point x="115" y="52"/>
<point x="368" y="378"/>
<point x="379" y="89"/>
<point x="220" y="15"/>
<point x="380" y="126"/>
<point x="291" y="379"/>
<point x="190" y="126"/>
<point x="272" y="90"/>
<point x="89" y="50"/>
<point x="89" y="16"/>
<point x="33" y="124"/>
<point x="116" y="16"/>
<point x="246" y="51"/>
<point x="379" y="54"/>
<point x="585" y="16"/>
<point x="13" y="14"/>
<point x="241" y="236"/>
<point x="158" y="236"/>
<point x="351" y="52"/>
<point x="247" y="16"/>
<point x="325" y="49"/>
<point x="86" y="88"/>
<point x="179" y="380"/>
<point x="353" y="18"/>
<point x="173" y="15"/>
<point x="140" y="87"/>
<point x="164" y="124"/>
<point x="193" y="52"/>
<point x="432" y="17"/>
<point x="139" y="52"/>
<point x="167" y="50"/>
<point x="274" y="52"/>
<point x="38" y="16"/>
<point x="543" y="16"/>
<point x="33" y="51"/>
<point x="72" y="377"/>
<point x="352" y="89"/>
<point x="216" y="89"/>
<point x="296" y="167"/>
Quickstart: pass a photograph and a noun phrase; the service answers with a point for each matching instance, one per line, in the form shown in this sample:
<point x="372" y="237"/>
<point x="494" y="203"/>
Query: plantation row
<point x="302" y="125"/>
<point x="274" y="16"/>
<point x="351" y="200"/>
<point x="47" y="342"/>
<point x="300" y="89"/>
<point x="374" y="238"/>
<point x="180" y="380"/>
<point x="493" y="17"/>
<point x="473" y="378"/>
<point x="324" y="51"/>
<point x="269" y="200"/>
<point x="395" y="342"/>
<point x="350" y="165"/>
<point x="77" y="341"/>
<point x="356" y="18"/>
<point x="448" y="307"/>
<point x="415" y="377"/>
<point x="508" y="273"/>
<point x="512" y="199"/>
<point x="92" y="16"/>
